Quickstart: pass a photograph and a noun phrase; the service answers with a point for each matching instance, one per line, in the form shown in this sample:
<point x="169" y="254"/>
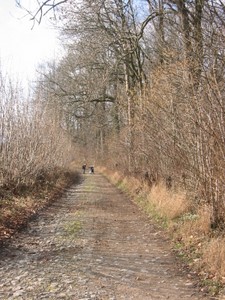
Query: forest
<point x="139" y="91"/>
<point x="141" y="88"/>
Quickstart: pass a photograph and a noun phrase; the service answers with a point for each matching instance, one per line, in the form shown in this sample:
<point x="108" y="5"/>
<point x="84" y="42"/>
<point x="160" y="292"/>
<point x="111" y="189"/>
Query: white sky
<point x="21" y="47"/>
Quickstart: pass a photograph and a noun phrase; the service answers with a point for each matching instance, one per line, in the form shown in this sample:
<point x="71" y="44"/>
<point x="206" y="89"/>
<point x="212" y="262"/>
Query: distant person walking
<point x="92" y="170"/>
<point x="84" y="168"/>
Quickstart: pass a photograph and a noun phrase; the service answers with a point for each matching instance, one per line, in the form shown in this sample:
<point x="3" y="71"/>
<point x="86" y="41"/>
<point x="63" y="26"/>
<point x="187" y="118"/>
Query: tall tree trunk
<point x="193" y="43"/>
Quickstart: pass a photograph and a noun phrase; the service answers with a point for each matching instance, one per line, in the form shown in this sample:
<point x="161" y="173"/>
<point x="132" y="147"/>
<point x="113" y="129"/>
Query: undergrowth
<point x="19" y="202"/>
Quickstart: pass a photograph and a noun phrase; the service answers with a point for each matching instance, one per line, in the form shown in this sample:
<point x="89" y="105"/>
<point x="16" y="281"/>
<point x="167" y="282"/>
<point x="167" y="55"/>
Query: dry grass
<point x="114" y="177"/>
<point x="132" y="184"/>
<point x="194" y="226"/>
<point x="168" y="203"/>
<point x="214" y="257"/>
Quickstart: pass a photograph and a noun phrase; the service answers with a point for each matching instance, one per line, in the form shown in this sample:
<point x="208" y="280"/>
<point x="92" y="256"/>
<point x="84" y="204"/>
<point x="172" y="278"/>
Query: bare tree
<point x="40" y="8"/>
<point x="147" y="88"/>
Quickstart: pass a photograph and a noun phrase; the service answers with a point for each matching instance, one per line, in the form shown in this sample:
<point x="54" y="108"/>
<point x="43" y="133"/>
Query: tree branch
<point x="43" y="8"/>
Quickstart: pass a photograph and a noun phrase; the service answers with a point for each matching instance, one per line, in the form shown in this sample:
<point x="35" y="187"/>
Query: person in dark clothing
<point x="92" y="169"/>
<point x="84" y="168"/>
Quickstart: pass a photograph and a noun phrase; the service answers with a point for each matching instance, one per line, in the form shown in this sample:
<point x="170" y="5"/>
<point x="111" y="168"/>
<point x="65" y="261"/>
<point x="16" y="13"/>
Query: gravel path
<point x="93" y="243"/>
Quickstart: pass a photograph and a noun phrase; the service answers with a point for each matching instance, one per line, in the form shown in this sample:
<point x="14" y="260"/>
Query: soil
<point x="93" y="243"/>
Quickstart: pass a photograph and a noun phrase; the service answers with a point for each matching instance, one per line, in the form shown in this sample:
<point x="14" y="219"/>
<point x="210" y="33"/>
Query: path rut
<point x="94" y="243"/>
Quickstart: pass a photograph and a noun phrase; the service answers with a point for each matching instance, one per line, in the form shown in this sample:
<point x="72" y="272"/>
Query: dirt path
<point x="92" y="244"/>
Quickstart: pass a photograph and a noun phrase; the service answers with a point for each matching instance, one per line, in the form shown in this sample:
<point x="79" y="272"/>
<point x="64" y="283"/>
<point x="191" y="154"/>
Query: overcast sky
<point x="21" y="47"/>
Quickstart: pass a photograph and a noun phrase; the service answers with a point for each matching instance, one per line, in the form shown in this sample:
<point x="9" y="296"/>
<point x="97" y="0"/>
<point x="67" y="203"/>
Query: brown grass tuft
<point x="214" y="257"/>
<point x="168" y="203"/>
<point x="195" y="226"/>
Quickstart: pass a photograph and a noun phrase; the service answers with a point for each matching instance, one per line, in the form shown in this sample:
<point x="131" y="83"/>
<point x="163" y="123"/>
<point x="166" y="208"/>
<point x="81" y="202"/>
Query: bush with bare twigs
<point x="32" y="142"/>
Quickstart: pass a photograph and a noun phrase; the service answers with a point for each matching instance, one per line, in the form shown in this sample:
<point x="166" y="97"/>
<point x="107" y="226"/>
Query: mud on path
<point x="94" y="243"/>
